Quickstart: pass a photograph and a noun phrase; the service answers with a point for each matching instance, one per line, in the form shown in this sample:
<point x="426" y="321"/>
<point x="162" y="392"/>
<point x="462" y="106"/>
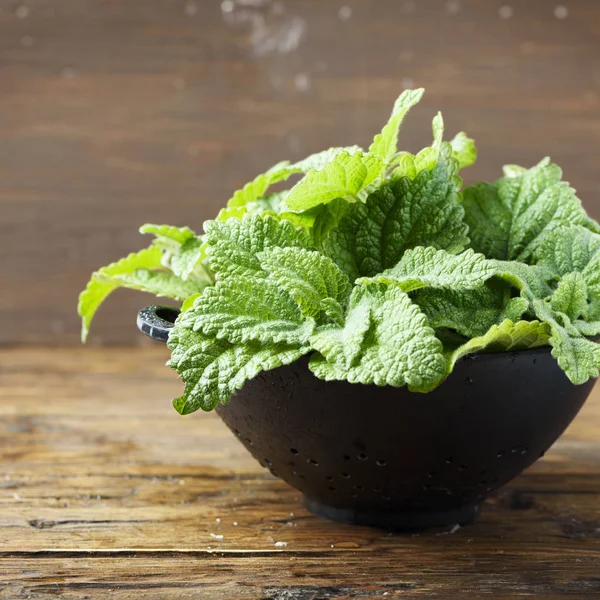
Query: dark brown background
<point x="115" y="113"/>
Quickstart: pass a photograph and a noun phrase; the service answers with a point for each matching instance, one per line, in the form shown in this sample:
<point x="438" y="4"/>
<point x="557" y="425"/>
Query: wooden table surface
<point x="107" y="493"/>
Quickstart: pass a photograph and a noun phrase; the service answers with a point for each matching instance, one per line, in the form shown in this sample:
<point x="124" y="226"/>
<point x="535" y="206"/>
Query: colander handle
<point x="157" y="321"/>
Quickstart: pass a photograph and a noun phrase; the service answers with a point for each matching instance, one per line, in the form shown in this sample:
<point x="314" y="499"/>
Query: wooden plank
<point x="117" y="113"/>
<point x="105" y="490"/>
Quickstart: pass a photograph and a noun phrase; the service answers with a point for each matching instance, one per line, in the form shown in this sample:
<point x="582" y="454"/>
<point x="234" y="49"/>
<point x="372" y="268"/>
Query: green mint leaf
<point x="489" y="220"/>
<point x="159" y="283"/>
<point x="578" y="358"/>
<point x="514" y="309"/>
<point x="464" y="150"/>
<point x="558" y="205"/>
<point x="167" y="235"/>
<point x="254" y="191"/>
<point x="314" y="281"/>
<point x="571" y="296"/>
<point x="530" y="280"/>
<point x="183" y="250"/>
<point x="437" y="127"/>
<point x="427" y="267"/>
<point x="471" y="313"/>
<point x="592" y="312"/>
<point x="410" y="165"/>
<point x="346" y="176"/>
<point x="406" y="164"/>
<point x="568" y="249"/>
<point x="402" y="214"/>
<point x="513" y="170"/>
<point x="189" y="302"/>
<point x="587" y="328"/>
<point x="270" y="203"/>
<point x="213" y="370"/>
<point x="244" y="309"/>
<point x="233" y="245"/>
<point x="505" y="337"/>
<point x="305" y="219"/>
<point x="184" y="261"/>
<point x="333" y="309"/>
<point x="385" y="143"/>
<point x="399" y="348"/>
<point x="510" y="219"/>
<point x="326" y="219"/>
<point x="341" y="346"/>
<point x="316" y="162"/>
<point x="231" y="212"/>
<point x="111" y="277"/>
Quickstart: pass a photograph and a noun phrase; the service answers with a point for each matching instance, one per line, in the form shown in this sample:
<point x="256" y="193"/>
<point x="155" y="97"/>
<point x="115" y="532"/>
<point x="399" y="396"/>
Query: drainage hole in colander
<point x="248" y="441"/>
<point x="299" y="475"/>
<point x="293" y="451"/>
<point x="427" y="486"/>
<point x="362" y="456"/>
<point x="329" y="478"/>
<point x="449" y="460"/>
<point x="386" y="498"/>
<point x="292" y="463"/>
<point x="313" y="462"/>
<point x="346" y="475"/>
<point x="237" y="432"/>
<point x="501" y="453"/>
<point x="268" y="462"/>
<point x="331" y="488"/>
<point x="359" y="488"/>
<point x="377" y="490"/>
<point x="346" y="458"/>
<point x="431" y="474"/>
<point x="381" y="462"/>
<point x="463" y="467"/>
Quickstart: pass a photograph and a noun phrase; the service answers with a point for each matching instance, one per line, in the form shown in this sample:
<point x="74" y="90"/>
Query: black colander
<point x="388" y="457"/>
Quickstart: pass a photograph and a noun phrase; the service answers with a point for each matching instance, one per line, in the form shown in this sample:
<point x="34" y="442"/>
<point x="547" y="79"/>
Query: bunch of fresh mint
<point x="376" y="265"/>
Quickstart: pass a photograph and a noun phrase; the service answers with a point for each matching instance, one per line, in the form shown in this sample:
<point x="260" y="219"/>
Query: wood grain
<point x="116" y="113"/>
<point x="106" y="492"/>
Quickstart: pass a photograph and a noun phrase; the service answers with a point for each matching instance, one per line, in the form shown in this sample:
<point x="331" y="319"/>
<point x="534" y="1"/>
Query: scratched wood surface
<point x="118" y="112"/>
<point x="106" y="492"/>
